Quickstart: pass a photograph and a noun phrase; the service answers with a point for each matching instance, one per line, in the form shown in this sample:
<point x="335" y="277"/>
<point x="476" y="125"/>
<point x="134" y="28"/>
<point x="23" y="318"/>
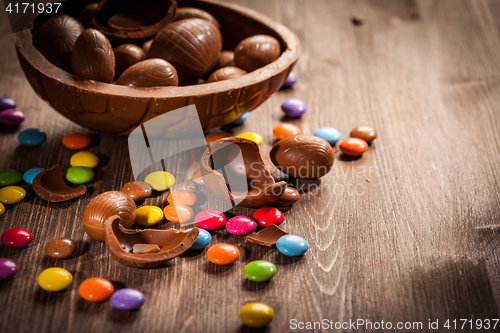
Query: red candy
<point x="210" y="219"/>
<point x="16" y="238"/>
<point x="268" y="215"/>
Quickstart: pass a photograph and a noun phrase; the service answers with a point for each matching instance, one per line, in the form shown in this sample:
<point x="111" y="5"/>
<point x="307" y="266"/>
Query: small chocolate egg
<point x="256" y="51"/>
<point x="127" y="55"/>
<point x="147" y="46"/>
<point x="226" y="73"/>
<point x="149" y="73"/>
<point x="88" y="13"/>
<point x="226" y="58"/>
<point x="190" y="12"/>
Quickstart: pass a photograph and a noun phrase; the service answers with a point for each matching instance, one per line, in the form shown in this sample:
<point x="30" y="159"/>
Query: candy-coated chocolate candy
<point x="223" y="254"/>
<point x="292" y="245"/>
<point x="255" y="137"/>
<point x="84" y="159"/>
<point x="256" y="314"/>
<point x="7" y="103"/>
<point x="10" y="177"/>
<point x="330" y="134"/>
<point x="259" y="270"/>
<point x="32" y="137"/>
<point x="127" y="299"/>
<point x="268" y="215"/>
<point x="11" y="117"/>
<point x="10" y="195"/>
<point x="29" y="175"/>
<point x="290" y="80"/>
<point x="79" y="175"/>
<point x="204" y="238"/>
<point x="148" y="215"/>
<point x="294" y="107"/>
<point x="288" y="198"/>
<point x="16" y="238"/>
<point x="138" y="191"/>
<point x="60" y="248"/>
<point x="178" y="213"/>
<point x="353" y="147"/>
<point x="241" y="119"/>
<point x="285" y="130"/>
<point x="55" y="279"/>
<point x="364" y="133"/>
<point x="160" y="180"/>
<point x="76" y="140"/>
<point x="241" y="225"/>
<point x="182" y="197"/>
<point x="8" y="268"/>
<point x="2" y="208"/>
<point x="95" y="289"/>
<point x="210" y="219"/>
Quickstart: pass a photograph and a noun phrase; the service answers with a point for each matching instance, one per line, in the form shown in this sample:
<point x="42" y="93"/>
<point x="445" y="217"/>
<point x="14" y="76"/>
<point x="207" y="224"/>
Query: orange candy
<point x="353" y="147"/>
<point x="223" y="254"/>
<point x="182" y="197"/>
<point x="76" y="140"/>
<point x="178" y="213"/>
<point x="285" y="130"/>
<point x="96" y="289"/>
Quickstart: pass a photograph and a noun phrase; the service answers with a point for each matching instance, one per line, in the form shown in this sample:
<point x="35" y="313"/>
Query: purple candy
<point x="7" y="103"/>
<point x="290" y="81"/>
<point x="294" y="107"/>
<point x="241" y="225"/>
<point x="127" y="299"/>
<point x="8" y="268"/>
<point x="11" y="117"/>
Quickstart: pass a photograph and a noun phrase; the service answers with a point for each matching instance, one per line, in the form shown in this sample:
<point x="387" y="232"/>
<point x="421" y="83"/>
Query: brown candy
<point x="56" y="38"/>
<point x="288" y="198"/>
<point x="60" y="248"/>
<point x="192" y="46"/>
<point x="226" y="73"/>
<point x="138" y="191"/>
<point x="147" y="46"/>
<point x="93" y="57"/>
<point x="191" y="12"/>
<point x="50" y="186"/>
<point x="127" y="55"/>
<point x="149" y="73"/>
<point x="365" y="133"/>
<point x="303" y="156"/>
<point x="226" y="58"/>
<point x="256" y="51"/>
<point x="266" y="237"/>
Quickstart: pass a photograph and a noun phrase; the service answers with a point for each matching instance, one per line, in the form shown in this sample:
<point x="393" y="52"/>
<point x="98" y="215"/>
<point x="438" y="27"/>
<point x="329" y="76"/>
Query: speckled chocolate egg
<point x="127" y="55"/>
<point x="226" y="73"/>
<point x="149" y="73"/>
<point x="256" y="51"/>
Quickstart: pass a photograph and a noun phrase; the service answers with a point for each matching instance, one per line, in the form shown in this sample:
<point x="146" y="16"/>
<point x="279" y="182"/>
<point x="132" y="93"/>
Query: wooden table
<point x="407" y="233"/>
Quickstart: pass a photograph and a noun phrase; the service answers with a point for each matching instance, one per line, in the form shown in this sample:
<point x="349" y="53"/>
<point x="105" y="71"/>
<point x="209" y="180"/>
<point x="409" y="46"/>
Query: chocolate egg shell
<point x="256" y="51"/>
<point x="302" y="156"/>
<point x="226" y="73"/>
<point x="93" y="57"/>
<point x="149" y="73"/>
<point x="192" y="46"/>
<point x="56" y="38"/>
<point x="127" y="55"/>
<point x="50" y="186"/>
<point x="191" y="12"/>
<point x="102" y="208"/>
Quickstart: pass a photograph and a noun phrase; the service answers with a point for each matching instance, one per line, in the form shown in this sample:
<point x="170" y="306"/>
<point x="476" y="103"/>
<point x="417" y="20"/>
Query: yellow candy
<point x="2" y="208"/>
<point x="160" y="180"/>
<point x="256" y="314"/>
<point x="10" y="195"/>
<point x="148" y="215"/>
<point x="257" y="138"/>
<point x="55" y="279"/>
<point x="84" y="159"/>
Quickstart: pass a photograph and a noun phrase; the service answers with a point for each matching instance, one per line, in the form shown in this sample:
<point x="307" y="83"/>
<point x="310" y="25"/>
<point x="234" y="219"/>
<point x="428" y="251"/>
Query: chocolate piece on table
<point x="266" y="237"/>
<point x="50" y="186"/>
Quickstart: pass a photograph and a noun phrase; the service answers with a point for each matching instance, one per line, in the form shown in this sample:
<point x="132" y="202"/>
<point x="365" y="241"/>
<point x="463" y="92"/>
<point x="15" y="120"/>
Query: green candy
<point x="259" y="270"/>
<point x="79" y="175"/>
<point x="10" y="177"/>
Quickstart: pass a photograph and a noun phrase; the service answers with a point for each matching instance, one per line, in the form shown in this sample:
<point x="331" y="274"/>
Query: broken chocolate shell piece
<point x="50" y="186"/>
<point x="266" y="237"/>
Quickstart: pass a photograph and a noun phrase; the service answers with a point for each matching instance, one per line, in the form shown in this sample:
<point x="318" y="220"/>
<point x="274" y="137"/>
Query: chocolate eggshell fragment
<point x="266" y="237"/>
<point x="121" y="243"/>
<point x="127" y="55"/>
<point x="50" y="186"/>
<point x="288" y="198"/>
<point x="191" y="12"/>
<point x="226" y="73"/>
<point x="256" y="51"/>
<point x="149" y="73"/>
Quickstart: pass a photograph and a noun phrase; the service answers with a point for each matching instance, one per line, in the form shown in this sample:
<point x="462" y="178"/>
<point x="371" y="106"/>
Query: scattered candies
<point x="330" y="134"/>
<point x="241" y="225"/>
<point x="60" y="248"/>
<point x="259" y="270"/>
<point x="10" y="177"/>
<point x="183" y="197"/>
<point x="29" y="175"/>
<point x="2" y="208"/>
<point x="84" y="159"/>
<point x="11" y="117"/>
<point x="7" y="103"/>
<point x="127" y="299"/>
<point x="268" y="215"/>
<point x="223" y="254"/>
<point x="32" y="137"/>
<point x="160" y="180"/>
<point x="55" y="279"/>
<point x="95" y="289"/>
<point x="284" y="130"/>
<point x="8" y="268"/>
<point x="79" y="175"/>
<point x="16" y="238"/>
<point x="138" y="191"/>
<point x="290" y="80"/>
<point x="210" y="219"/>
<point x="294" y="107"/>
<point x="10" y="195"/>
<point x="178" y="213"/>
<point x="292" y="245"/>
<point x="364" y="133"/>
<point x="76" y="140"/>
<point x="256" y="314"/>
<point x="204" y="238"/>
<point x="255" y="137"/>
<point x="148" y="215"/>
<point x="241" y="119"/>
<point x="353" y="147"/>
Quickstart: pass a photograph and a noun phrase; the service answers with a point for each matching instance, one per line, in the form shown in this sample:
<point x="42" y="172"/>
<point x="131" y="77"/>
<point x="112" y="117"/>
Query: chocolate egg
<point x="256" y="51"/>
<point x="303" y="156"/>
<point x="149" y="73"/>
<point x="102" y="208"/>
<point x="93" y="57"/>
<point x="56" y="38"/>
<point x="226" y="58"/>
<point x="147" y="46"/>
<point x="190" y="12"/>
<point x="88" y="13"/>
<point x="192" y="46"/>
<point x="127" y="55"/>
<point x="226" y="73"/>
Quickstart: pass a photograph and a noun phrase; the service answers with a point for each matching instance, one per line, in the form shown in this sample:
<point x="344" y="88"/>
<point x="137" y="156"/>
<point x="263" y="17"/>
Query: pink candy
<point x="210" y="219"/>
<point x="241" y="225"/>
<point x="268" y="215"/>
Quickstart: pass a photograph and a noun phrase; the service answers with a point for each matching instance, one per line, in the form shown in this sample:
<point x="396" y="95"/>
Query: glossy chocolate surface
<point x="191" y="12"/>
<point x="226" y="58"/>
<point x="60" y="248"/>
<point x="127" y="55"/>
<point x="288" y="198"/>
<point x="149" y="73"/>
<point x="50" y="186"/>
<point x="256" y="51"/>
<point x="226" y="73"/>
<point x="266" y="237"/>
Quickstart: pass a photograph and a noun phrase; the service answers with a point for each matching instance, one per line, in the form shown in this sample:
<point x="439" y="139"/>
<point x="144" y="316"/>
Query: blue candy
<point x="241" y="119"/>
<point x="32" y="137"/>
<point x="29" y="175"/>
<point x="330" y="134"/>
<point x="203" y="239"/>
<point x="292" y="245"/>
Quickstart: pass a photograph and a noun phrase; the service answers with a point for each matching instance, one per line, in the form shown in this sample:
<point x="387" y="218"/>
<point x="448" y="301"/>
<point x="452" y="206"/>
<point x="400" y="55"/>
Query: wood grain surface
<point x="407" y="233"/>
